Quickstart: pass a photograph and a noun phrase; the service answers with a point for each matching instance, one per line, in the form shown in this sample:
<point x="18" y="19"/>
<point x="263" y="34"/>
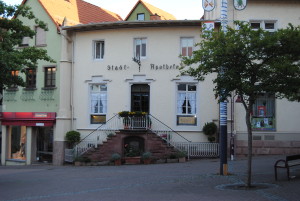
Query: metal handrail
<point x="168" y="128"/>
<point x="102" y="125"/>
<point x="147" y="122"/>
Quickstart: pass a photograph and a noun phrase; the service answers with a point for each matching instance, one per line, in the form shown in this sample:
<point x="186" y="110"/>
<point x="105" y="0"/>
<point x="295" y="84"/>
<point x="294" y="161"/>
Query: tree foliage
<point x="248" y="63"/>
<point x="12" y="32"/>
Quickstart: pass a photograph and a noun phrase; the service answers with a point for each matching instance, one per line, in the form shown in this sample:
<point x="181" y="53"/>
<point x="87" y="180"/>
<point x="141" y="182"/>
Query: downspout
<point x="72" y="87"/>
<point x="70" y="40"/>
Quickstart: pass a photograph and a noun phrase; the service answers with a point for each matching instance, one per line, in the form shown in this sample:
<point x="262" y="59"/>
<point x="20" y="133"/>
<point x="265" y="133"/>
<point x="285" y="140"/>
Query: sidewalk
<point x="195" y="180"/>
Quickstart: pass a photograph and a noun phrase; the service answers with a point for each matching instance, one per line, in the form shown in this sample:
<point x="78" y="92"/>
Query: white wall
<point x="163" y="48"/>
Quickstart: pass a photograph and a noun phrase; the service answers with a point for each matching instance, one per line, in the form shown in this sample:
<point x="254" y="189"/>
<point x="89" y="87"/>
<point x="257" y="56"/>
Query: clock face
<point x="208" y="5"/>
<point x="240" y="4"/>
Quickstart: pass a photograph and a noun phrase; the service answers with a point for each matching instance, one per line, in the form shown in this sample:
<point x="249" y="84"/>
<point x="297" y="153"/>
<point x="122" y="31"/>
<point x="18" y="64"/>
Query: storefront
<point x="27" y="137"/>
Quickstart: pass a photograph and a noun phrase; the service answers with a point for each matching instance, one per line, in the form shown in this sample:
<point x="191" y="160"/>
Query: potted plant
<point x="210" y="129"/>
<point x="82" y="160"/>
<point x="72" y="138"/>
<point x="172" y="158"/>
<point x="116" y="158"/>
<point x="126" y="120"/>
<point x="146" y="157"/>
<point x="181" y="155"/>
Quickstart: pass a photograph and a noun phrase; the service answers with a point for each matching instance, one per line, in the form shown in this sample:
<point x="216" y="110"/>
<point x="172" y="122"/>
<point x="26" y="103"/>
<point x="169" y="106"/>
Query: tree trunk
<point x="249" y="166"/>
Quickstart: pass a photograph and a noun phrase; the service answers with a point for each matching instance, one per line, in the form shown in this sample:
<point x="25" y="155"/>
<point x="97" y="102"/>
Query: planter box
<point x="172" y="160"/>
<point x="118" y="162"/>
<point x="133" y="160"/>
<point x="182" y="160"/>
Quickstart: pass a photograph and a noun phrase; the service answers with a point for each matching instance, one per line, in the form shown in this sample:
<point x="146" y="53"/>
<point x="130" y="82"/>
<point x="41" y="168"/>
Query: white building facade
<point x="107" y="80"/>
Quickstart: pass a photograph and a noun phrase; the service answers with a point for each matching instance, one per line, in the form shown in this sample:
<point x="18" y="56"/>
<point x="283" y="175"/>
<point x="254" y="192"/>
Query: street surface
<point x="195" y="180"/>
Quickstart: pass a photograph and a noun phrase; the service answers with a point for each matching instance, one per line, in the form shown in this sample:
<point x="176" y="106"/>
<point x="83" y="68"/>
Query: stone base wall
<point x="58" y="152"/>
<point x="265" y="147"/>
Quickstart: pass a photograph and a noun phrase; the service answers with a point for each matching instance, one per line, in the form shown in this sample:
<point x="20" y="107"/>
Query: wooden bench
<point x="290" y="161"/>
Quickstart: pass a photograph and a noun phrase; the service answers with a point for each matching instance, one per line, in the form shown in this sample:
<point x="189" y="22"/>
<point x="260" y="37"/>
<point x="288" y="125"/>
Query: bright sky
<point x="181" y="9"/>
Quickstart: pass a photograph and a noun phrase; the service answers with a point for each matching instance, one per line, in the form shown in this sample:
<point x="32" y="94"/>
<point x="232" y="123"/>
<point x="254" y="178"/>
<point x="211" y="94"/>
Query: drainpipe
<point x="70" y="40"/>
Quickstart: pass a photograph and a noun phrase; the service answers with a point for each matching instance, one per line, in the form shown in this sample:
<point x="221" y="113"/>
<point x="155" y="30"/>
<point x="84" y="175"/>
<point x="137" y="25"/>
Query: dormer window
<point x="141" y="16"/>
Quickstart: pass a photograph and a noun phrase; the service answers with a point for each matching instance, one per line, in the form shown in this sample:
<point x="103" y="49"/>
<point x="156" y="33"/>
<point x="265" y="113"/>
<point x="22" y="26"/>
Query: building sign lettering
<point x="117" y="68"/>
<point x="164" y="67"/>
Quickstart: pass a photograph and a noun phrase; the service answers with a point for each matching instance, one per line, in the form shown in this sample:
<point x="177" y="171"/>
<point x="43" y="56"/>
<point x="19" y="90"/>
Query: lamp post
<point x="223" y="103"/>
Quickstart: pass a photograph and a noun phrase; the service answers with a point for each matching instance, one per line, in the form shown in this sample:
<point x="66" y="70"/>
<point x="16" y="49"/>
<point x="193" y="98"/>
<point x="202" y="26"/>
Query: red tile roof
<point x="76" y="12"/>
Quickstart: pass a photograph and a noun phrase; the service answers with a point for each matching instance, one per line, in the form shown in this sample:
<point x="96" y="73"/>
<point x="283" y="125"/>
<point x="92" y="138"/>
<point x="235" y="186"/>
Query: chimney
<point x="155" y="17"/>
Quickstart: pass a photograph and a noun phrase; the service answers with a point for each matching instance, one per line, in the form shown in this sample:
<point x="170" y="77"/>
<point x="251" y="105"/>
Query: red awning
<point x="28" y="118"/>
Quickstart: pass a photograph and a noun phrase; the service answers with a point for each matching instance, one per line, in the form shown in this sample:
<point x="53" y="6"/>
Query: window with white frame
<point x="263" y="112"/>
<point x="187" y="45"/>
<point x="186" y="104"/>
<point x="268" y="25"/>
<point x="141" y="16"/>
<point x="98" y="107"/>
<point x="40" y="37"/>
<point x="99" y="49"/>
<point x="25" y="42"/>
<point x="140" y="46"/>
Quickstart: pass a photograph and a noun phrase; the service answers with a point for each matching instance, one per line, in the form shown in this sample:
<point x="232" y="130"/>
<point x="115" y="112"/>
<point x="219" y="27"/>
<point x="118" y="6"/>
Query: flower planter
<point x="147" y="161"/>
<point x="133" y="160"/>
<point x="182" y="160"/>
<point x="117" y="162"/>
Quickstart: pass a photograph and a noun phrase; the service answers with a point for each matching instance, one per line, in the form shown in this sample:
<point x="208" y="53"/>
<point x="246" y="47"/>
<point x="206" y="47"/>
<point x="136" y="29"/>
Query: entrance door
<point x="140" y="97"/>
<point x="45" y="144"/>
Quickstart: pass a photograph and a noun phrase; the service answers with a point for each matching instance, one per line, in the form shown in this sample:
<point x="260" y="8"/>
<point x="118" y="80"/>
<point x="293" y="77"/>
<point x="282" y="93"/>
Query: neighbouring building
<point x="143" y="11"/>
<point x="275" y="122"/>
<point x="35" y="118"/>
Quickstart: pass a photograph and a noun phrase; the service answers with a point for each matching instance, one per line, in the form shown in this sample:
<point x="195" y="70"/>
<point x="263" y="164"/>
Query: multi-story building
<point x="275" y="122"/>
<point x="134" y="65"/>
<point x="35" y="118"/>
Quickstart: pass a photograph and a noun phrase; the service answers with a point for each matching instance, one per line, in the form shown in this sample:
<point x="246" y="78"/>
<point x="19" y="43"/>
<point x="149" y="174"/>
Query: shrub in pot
<point x="72" y="138"/>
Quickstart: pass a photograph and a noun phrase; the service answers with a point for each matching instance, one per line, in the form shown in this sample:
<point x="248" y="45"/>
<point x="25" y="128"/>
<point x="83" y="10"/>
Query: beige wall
<point x="163" y="48"/>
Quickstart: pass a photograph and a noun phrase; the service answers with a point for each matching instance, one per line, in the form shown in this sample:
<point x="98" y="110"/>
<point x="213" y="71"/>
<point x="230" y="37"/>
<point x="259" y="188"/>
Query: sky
<point x="181" y="9"/>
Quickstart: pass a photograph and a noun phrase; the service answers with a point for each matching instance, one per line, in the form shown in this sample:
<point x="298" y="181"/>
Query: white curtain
<point x="180" y="101"/>
<point x="103" y="99"/>
<point x="94" y="104"/>
<point x="191" y="97"/>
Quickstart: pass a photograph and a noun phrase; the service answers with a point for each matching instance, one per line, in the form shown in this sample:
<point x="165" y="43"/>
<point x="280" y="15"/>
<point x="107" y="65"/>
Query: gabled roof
<point x="76" y="12"/>
<point x="153" y="10"/>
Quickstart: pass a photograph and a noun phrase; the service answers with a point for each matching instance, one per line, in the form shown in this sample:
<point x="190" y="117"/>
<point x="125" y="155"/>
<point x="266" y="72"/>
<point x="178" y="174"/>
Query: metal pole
<point x="223" y="104"/>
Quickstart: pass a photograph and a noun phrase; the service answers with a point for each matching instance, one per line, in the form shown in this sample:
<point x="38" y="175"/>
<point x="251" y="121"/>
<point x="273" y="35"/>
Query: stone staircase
<point x="115" y="144"/>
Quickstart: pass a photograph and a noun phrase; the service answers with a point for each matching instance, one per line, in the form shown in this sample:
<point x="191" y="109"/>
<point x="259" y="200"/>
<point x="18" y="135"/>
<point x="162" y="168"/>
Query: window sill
<point x="29" y="89"/>
<point x="42" y="45"/>
<point x="12" y="89"/>
<point x="49" y="88"/>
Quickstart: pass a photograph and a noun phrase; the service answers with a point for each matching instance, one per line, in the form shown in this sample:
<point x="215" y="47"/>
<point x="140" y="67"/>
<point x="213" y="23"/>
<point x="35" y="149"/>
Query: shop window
<point x="98" y="108"/>
<point x="187" y="45"/>
<point x="40" y="37"/>
<point x="50" y="73"/>
<point x="30" y="78"/>
<point x="186" y="104"/>
<point x="140" y="45"/>
<point x="98" y="49"/>
<point x="263" y="114"/>
<point x="17" y="143"/>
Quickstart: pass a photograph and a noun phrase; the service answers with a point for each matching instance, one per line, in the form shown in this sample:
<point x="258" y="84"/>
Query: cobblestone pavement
<point x="196" y="180"/>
